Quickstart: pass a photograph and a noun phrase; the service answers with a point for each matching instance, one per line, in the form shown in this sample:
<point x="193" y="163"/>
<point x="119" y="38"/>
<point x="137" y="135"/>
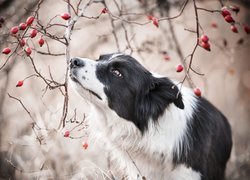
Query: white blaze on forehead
<point x="86" y="76"/>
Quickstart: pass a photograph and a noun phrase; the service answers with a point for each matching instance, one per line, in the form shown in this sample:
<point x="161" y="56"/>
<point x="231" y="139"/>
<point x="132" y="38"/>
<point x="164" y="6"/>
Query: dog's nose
<point x="75" y="62"/>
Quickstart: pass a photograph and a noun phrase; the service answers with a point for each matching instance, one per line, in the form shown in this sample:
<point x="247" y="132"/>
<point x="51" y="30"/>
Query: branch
<point x="195" y="47"/>
<point x="12" y="97"/>
<point x="178" y="15"/>
<point x="19" y="169"/>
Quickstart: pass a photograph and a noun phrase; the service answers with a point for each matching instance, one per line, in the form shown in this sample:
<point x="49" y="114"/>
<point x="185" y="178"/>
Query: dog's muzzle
<point x="76" y="63"/>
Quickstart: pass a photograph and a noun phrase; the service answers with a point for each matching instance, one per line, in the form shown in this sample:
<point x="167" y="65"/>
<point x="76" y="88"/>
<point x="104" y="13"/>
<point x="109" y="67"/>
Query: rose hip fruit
<point x="66" y="134"/>
<point x="155" y="21"/>
<point x="28" y="51"/>
<point x="14" y="30"/>
<point x="246" y="29"/>
<point x="204" y="38"/>
<point x="225" y="12"/>
<point x="150" y="17"/>
<point x="22" y="26"/>
<point x="104" y="11"/>
<point x="30" y="20"/>
<point x="229" y="19"/>
<point x="19" y="84"/>
<point x="234" y="29"/>
<point x="41" y="42"/>
<point x="85" y="145"/>
<point x="6" y="50"/>
<point x="205" y="46"/>
<point x="179" y="68"/>
<point x="65" y="16"/>
<point x="33" y="33"/>
<point x="22" y="42"/>
<point x="197" y="92"/>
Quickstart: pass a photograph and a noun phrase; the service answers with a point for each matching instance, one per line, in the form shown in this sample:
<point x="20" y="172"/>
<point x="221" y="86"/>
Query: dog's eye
<point x="116" y="73"/>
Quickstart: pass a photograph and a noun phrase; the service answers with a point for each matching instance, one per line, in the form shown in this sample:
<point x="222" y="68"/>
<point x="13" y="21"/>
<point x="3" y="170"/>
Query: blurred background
<point x="33" y="146"/>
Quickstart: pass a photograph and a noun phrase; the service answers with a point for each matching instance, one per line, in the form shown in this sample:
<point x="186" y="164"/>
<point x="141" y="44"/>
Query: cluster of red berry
<point x="203" y="41"/>
<point x="225" y="12"/>
<point x="16" y="32"/>
<point x="33" y="33"/>
<point x="22" y="41"/>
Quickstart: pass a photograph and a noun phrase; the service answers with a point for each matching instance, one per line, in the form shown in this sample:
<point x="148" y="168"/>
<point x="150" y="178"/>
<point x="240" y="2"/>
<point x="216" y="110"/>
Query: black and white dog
<point x="153" y="131"/>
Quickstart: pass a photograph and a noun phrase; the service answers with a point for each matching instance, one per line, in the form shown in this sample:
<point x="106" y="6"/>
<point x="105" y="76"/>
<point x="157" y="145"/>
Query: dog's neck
<point x="170" y="129"/>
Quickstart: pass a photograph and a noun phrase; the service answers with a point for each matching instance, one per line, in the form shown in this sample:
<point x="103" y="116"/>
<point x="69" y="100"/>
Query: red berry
<point x="33" y="33"/>
<point x="85" y="145"/>
<point x="234" y="29"/>
<point x="22" y="42"/>
<point x="229" y="19"/>
<point x="150" y="17"/>
<point x="22" y="26"/>
<point x="214" y="25"/>
<point x="66" y="133"/>
<point x="234" y="8"/>
<point x="65" y="16"/>
<point x="19" y="84"/>
<point x="155" y="21"/>
<point x="30" y="20"/>
<point x="28" y="51"/>
<point x="14" y="30"/>
<point x="225" y="12"/>
<point x="205" y="45"/>
<point x="197" y="92"/>
<point x="204" y="38"/>
<point x="104" y="11"/>
<point x="6" y="50"/>
<point x="179" y="68"/>
<point x="246" y="29"/>
<point x="166" y="57"/>
<point x="41" y="42"/>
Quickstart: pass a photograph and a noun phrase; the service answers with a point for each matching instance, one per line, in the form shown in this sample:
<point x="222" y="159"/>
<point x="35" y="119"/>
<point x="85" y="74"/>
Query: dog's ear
<point x="163" y="91"/>
<point x="153" y="100"/>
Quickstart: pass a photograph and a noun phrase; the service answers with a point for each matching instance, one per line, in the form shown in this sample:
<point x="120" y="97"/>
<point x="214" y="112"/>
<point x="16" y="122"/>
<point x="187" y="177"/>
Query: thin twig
<point x="178" y="15"/>
<point x="12" y="97"/>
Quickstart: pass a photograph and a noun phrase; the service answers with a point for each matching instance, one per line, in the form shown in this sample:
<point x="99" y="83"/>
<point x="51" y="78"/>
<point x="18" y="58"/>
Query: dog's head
<point x="120" y="83"/>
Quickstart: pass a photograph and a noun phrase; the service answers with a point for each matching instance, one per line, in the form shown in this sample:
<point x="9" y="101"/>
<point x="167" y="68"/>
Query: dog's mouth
<point x="73" y="78"/>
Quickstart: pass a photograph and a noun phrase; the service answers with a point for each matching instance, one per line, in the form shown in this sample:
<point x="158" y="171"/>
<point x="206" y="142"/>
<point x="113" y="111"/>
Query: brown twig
<point x="178" y="15"/>
<point x="12" y="97"/>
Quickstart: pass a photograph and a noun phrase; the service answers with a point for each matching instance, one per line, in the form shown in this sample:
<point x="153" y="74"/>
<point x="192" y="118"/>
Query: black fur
<point x="138" y="104"/>
<point x="209" y="141"/>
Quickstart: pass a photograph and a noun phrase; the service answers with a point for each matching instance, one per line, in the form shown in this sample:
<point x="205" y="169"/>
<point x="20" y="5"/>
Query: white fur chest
<point x="149" y="155"/>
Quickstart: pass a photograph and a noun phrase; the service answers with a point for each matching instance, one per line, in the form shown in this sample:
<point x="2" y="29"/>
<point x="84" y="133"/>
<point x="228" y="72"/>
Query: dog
<point x="154" y="128"/>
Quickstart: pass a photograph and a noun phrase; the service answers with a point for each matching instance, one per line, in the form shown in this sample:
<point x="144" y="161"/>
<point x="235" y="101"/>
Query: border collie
<point x="155" y="129"/>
